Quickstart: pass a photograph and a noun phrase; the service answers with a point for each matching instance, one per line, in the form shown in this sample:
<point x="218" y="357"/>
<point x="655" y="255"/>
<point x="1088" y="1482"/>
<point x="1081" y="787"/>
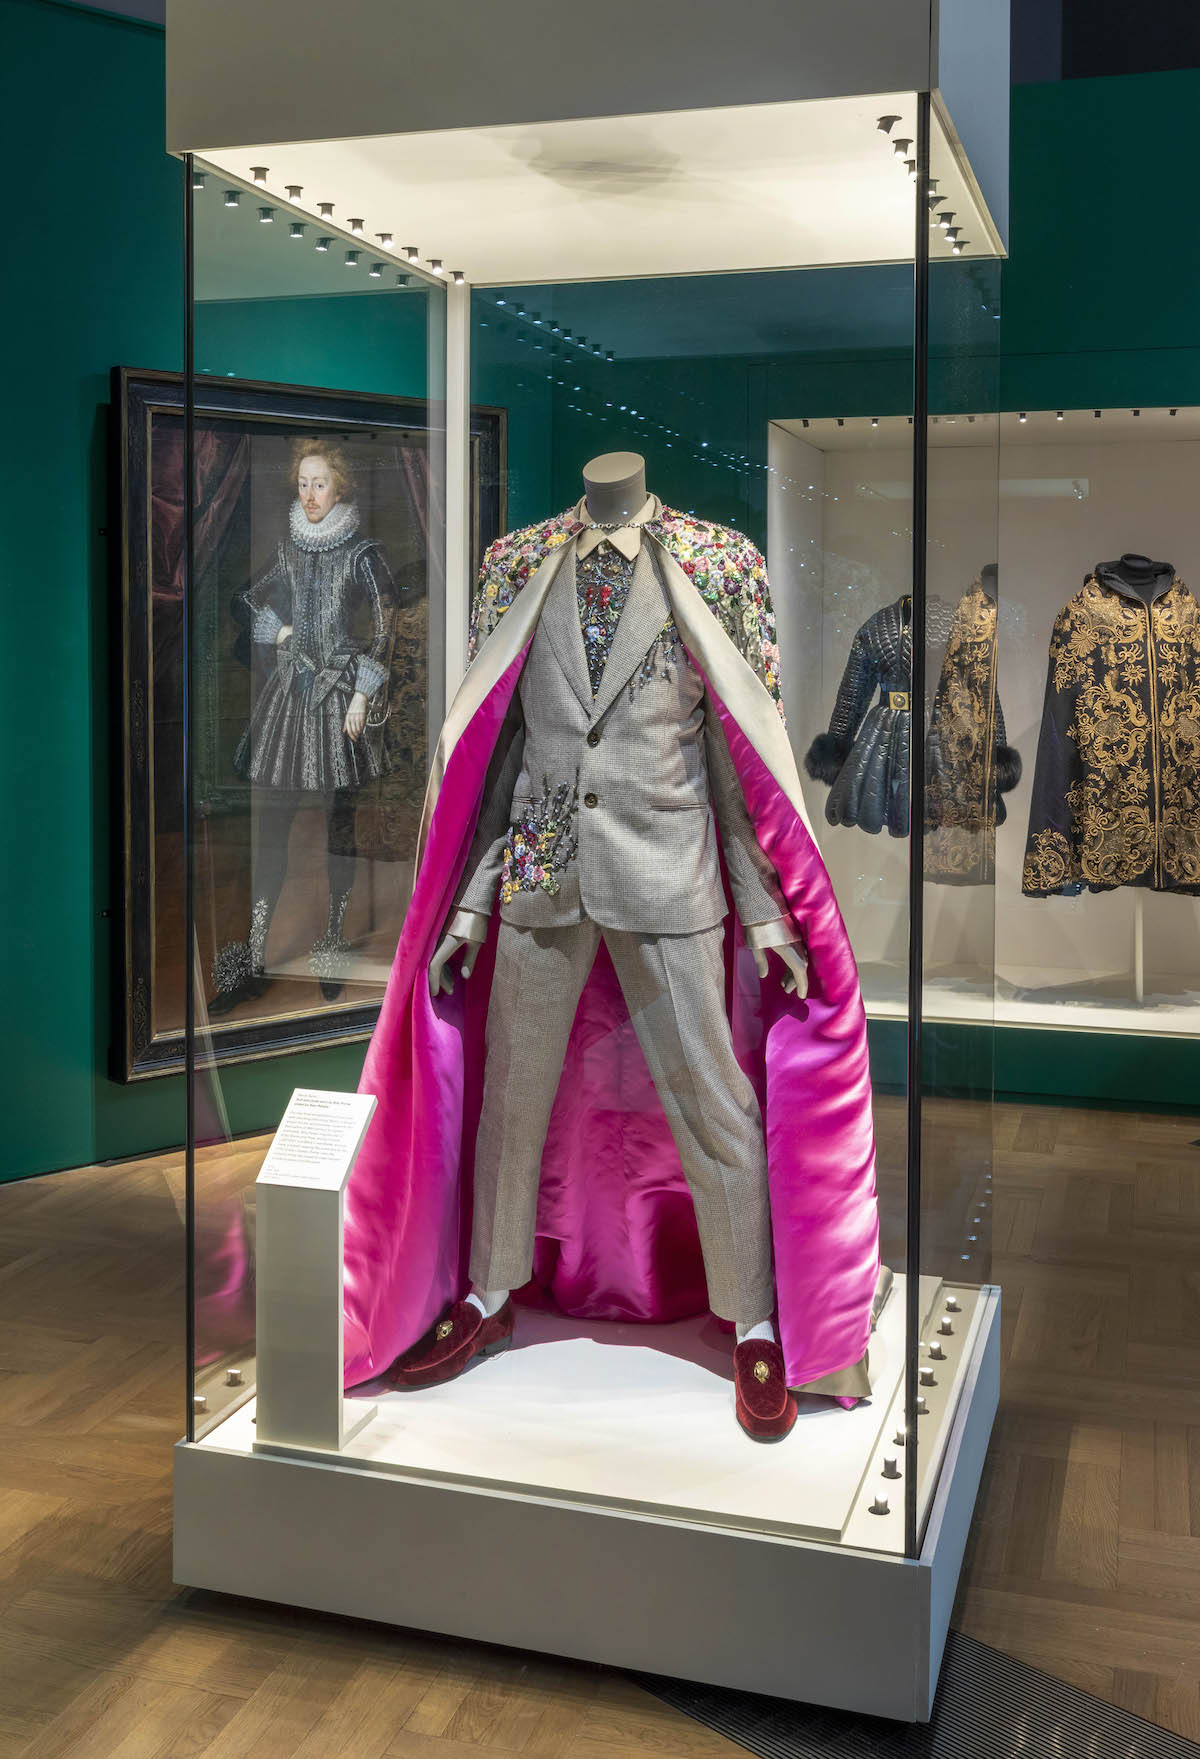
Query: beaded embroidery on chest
<point x="602" y="582"/>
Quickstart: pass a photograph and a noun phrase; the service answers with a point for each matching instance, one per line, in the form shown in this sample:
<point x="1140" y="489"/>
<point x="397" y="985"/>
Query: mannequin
<point x="614" y="1109"/>
<point x="615" y="492"/>
<point x="611" y="567"/>
<point x="1139" y="576"/>
<point x="615" y="486"/>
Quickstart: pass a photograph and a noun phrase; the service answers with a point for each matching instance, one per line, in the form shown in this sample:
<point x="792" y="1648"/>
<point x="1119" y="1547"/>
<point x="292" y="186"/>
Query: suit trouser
<point x="674" y="988"/>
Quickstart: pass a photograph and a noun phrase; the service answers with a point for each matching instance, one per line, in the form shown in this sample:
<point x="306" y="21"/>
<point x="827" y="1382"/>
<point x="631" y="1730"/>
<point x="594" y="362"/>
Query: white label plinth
<point x="301" y="1189"/>
<point x="318" y="1138"/>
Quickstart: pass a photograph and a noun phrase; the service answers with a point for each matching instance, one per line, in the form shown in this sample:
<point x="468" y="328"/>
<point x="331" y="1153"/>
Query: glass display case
<point x="731" y="1203"/>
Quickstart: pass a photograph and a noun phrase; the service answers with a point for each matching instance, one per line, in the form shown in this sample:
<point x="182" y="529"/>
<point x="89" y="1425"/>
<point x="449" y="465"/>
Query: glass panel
<point x="967" y="776"/>
<point x="779" y="404"/>
<point x="317" y="406"/>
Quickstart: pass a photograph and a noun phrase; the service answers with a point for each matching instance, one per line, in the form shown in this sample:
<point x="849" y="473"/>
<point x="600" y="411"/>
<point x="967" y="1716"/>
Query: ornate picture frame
<point x="246" y="433"/>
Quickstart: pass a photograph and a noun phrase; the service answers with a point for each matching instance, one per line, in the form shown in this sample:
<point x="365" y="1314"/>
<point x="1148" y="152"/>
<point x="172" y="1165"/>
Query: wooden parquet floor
<point x="1085" y="1554"/>
<point x="1084" y="1560"/>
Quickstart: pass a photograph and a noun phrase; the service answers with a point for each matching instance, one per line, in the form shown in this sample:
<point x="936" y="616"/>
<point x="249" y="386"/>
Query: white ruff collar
<point x="338" y="526"/>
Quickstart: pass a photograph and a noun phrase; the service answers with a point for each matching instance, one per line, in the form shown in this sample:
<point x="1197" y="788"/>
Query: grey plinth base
<point x="819" y="1623"/>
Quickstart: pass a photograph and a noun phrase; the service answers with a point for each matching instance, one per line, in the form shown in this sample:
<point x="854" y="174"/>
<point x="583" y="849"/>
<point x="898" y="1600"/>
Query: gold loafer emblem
<point x="762" y="1371"/>
<point x="444" y="1329"/>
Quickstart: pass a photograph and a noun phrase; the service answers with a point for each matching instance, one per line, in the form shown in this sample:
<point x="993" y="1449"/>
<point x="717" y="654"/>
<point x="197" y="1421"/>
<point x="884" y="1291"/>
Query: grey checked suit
<point x="642" y="767"/>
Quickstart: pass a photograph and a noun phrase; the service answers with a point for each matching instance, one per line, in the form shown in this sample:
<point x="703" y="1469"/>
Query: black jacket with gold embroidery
<point x="969" y="764"/>
<point x="1116" y="795"/>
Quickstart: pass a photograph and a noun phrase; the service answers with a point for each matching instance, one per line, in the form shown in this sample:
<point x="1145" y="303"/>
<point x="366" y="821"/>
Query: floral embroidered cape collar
<point x="724" y="566"/>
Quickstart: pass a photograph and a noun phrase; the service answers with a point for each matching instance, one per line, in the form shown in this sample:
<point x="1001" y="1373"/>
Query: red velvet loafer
<point x="459" y="1337"/>
<point x="765" y="1408"/>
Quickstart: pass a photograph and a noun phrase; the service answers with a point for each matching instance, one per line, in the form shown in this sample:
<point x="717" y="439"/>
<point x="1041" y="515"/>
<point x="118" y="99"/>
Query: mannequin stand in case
<point x="673" y="983"/>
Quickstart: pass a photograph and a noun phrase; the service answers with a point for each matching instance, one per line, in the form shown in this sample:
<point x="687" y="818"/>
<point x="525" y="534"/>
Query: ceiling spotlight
<point x="886" y="124"/>
<point x="259" y="173"/>
<point x="385" y="239"/>
<point x="1097" y="413"/>
<point x="324" y="243"/>
<point x="900" y="148"/>
<point x="297" y="229"/>
<point x="804" y="420"/>
<point x="266" y="216"/>
<point x="294" y="192"/>
<point x="874" y="421"/>
<point x="959" y="245"/>
<point x="1022" y="416"/>
<point x="356" y="227"/>
<point x="1137" y="412"/>
<point x="609" y="357"/>
<point x="597" y="350"/>
<point x="375" y="271"/>
<point x="946" y="219"/>
<point x="1174" y="412"/>
<point x="910" y="165"/>
<point x="232" y="197"/>
<point x="953" y="234"/>
<point x="841" y="421"/>
<point x="352" y="257"/>
<point x="1059" y="416"/>
<point x="325" y="209"/>
<point x="411" y="252"/>
<point x="403" y="280"/>
<point x="198" y="179"/>
<point x="457" y="276"/>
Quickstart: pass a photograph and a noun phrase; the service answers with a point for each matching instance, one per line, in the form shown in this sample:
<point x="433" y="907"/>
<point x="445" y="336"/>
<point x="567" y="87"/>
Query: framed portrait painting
<point x="315" y="700"/>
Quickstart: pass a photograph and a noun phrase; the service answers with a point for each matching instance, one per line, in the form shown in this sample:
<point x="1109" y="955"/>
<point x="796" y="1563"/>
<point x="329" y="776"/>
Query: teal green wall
<point x="1099" y="308"/>
<point x="91" y="278"/>
<point x="1100" y="289"/>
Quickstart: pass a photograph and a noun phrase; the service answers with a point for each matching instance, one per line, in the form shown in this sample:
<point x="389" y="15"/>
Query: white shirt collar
<point x="627" y="538"/>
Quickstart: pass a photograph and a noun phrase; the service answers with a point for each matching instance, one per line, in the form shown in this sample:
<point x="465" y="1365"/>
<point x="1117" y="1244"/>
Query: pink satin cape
<point x="616" y="1233"/>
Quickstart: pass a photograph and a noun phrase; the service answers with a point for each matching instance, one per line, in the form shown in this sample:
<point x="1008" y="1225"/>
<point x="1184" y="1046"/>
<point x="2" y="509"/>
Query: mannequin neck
<point x="1137" y="577"/>
<point x="615" y="487"/>
<point x="1136" y="570"/>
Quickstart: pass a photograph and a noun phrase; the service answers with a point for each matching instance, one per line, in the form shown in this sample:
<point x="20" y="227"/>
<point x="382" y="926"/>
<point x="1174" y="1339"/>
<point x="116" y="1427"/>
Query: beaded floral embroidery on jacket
<point x="602" y="581"/>
<point x="723" y="565"/>
<point x="541" y="841"/>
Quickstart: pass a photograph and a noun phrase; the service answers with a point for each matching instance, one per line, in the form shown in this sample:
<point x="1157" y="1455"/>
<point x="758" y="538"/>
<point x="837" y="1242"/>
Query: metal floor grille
<point x="988" y="1707"/>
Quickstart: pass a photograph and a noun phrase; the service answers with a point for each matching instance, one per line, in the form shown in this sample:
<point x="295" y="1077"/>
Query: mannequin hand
<point x="285" y="634"/>
<point x="795" y="977"/>
<point x="441" y="978"/>
<point x="356" y="716"/>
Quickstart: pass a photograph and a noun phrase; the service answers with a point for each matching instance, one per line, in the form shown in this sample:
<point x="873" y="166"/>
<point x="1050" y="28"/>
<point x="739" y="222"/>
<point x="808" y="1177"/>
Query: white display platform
<point x="637" y="1417"/>
<point x="635" y="1587"/>
<point x="1052" y="996"/>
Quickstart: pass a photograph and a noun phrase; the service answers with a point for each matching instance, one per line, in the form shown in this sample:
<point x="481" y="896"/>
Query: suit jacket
<point x="604" y="807"/>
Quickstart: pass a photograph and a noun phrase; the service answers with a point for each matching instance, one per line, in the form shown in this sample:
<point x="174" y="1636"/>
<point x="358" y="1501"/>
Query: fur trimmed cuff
<point x="1008" y="767"/>
<point x="825" y="757"/>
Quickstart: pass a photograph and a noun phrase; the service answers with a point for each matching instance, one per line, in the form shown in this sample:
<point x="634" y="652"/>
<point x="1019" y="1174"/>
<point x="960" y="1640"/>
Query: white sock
<point x="488" y="1301"/>
<point x="764" y="1329"/>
